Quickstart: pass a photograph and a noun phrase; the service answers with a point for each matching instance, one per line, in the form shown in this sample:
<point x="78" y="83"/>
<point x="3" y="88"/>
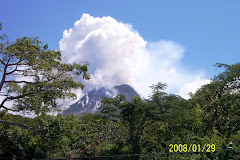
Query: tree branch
<point x="9" y="109"/>
<point x="16" y="97"/>
<point x="53" y="78"/>
<point x="22" y="82"/>
<point x="17" y="63"/>
<point x="3" y="77"/>
<point x="2" y="62"/>
<point x="8" y="61"/>
<point x="13" y="70"/>
<point x="33" y="108"/>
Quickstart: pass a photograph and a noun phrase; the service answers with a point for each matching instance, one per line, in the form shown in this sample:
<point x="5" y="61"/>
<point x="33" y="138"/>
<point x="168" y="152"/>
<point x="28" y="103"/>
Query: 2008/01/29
<point x="191" y="148"/>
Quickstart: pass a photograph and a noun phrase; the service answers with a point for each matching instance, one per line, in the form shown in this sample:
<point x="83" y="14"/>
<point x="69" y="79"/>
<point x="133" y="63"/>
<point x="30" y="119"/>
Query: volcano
<point x="91" y="101"/>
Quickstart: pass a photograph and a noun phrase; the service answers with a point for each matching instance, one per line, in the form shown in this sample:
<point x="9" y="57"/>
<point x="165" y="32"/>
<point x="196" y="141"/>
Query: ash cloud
<point x="117" y="54"/>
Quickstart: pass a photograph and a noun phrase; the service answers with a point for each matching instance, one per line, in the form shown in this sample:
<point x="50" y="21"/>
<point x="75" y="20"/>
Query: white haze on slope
<point x="117" y="54"/>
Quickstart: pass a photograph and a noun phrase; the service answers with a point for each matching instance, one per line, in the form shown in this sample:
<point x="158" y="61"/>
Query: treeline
<point x="34" y="79"/>
<point x="211" y="116"/>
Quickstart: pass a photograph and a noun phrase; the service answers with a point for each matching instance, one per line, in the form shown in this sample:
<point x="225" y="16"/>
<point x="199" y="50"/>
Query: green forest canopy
<point x="139" y="126"/>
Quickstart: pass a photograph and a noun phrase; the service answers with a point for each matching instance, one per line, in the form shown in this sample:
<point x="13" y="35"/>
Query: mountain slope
<point x="90" y="102"/>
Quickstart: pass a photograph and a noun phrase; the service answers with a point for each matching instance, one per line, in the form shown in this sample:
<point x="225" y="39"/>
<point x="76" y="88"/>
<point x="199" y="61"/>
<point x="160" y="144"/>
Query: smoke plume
<point x="117" y="54"/>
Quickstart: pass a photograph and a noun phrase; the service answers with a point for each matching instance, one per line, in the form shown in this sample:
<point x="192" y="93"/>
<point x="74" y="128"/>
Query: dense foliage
<point x="33" y="77"/>
<point x="139" y="126"/>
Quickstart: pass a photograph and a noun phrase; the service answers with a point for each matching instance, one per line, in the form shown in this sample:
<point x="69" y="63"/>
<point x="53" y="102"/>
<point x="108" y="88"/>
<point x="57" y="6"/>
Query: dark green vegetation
<point x="211" y="116"/>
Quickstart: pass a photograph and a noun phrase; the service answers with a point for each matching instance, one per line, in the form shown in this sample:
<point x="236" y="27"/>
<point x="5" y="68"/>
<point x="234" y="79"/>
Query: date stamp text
<point x="192" y="148"/>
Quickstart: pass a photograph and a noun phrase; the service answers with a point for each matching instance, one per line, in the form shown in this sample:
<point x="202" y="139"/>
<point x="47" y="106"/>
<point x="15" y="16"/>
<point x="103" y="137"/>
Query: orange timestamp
<point x="192" y="148"/>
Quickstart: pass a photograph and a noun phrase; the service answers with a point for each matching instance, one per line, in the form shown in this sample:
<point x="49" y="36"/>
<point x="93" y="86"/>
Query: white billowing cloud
<point x="192" y="86"/>
<point x="117" y="54"/>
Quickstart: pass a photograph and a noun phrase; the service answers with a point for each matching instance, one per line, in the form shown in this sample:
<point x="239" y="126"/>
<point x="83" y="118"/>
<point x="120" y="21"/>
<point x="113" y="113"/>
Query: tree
<point x="140" y="115"/>
<point x="33" y="78"/>
<point x="157" y="92"/>
<point x="220" y="100"/>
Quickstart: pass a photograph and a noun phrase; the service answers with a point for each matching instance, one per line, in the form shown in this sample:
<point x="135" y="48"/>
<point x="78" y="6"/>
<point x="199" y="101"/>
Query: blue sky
<point x="208" y="30"/>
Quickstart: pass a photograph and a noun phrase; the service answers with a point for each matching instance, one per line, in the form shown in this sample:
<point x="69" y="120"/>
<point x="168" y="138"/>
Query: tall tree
<point x="221" y="100"/>
<point x="138" y="115"/>
<point x="33" y="77"/>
